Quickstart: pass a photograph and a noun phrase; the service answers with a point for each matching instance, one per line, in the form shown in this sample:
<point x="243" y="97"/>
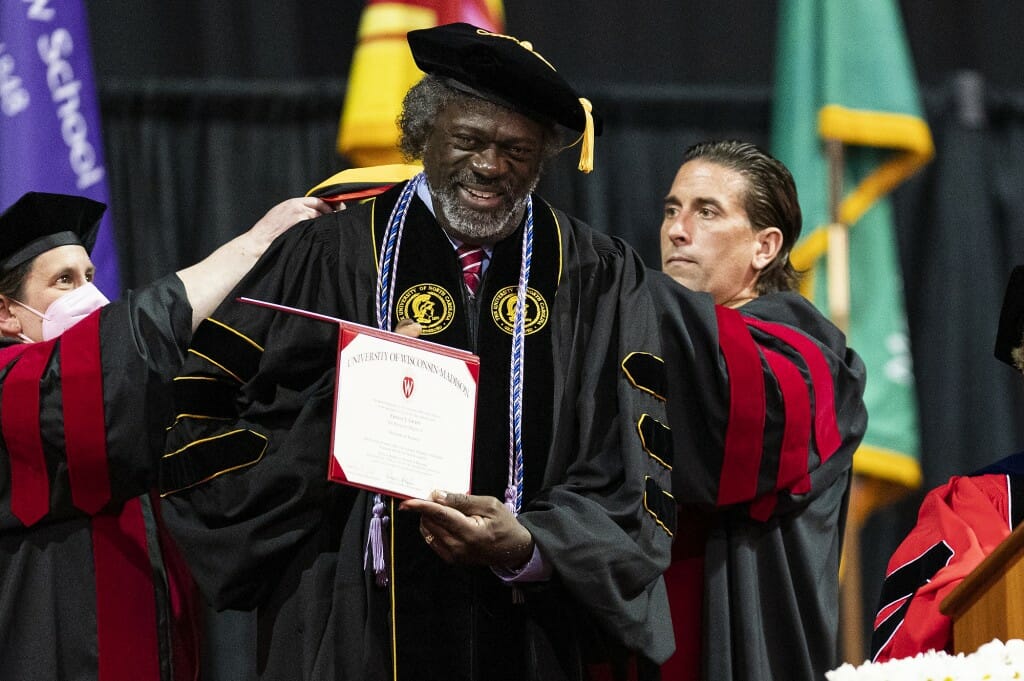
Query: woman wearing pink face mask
<point x="90" y="587"/>
<point x="69" y="307"/>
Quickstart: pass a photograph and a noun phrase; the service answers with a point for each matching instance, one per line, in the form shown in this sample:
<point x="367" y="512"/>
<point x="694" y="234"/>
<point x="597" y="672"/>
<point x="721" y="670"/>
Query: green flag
<point x="844" y="73"/>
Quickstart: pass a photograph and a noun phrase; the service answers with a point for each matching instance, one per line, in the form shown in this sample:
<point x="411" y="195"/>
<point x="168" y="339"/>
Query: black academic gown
<point x="766" y="409"/>
<point x="91" y="588"/>
<point x="248" y="498"/>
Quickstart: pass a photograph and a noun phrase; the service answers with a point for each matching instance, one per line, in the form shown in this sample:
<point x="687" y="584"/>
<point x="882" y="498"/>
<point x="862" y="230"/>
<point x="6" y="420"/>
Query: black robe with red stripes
<point x="262" y="527"/>
<point x="91" y="588"/>
<point x="765" y="406"/>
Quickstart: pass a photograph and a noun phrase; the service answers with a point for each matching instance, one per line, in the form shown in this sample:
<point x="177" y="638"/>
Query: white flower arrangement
<point x="994" y="661"/>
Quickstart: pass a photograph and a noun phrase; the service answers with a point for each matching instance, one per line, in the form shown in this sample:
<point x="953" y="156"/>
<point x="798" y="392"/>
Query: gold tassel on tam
<point x="587" y="148"/>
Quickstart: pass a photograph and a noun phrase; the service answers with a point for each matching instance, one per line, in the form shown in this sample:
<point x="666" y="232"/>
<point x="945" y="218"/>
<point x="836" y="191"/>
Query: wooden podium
<point x="989" y="603"/>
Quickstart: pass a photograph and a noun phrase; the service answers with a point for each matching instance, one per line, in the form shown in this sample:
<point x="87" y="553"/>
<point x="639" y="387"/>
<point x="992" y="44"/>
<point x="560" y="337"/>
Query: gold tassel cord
<point x="587" y="148"/>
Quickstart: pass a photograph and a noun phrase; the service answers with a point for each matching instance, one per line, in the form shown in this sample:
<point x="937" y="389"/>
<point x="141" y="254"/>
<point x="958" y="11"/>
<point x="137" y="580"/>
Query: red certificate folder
<point x="404" y="411"/>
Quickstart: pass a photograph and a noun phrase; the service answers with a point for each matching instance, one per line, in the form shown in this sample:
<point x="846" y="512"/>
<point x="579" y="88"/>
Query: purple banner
<point x="50" y="136"/>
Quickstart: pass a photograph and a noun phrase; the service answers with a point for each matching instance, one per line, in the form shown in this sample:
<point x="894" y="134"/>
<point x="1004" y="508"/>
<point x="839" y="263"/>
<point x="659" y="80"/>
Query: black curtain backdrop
<point x="192" y="163"/>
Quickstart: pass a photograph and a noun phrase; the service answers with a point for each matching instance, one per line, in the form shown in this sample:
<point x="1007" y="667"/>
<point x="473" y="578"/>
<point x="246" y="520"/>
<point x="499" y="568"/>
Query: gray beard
<point x="476" y="226"/>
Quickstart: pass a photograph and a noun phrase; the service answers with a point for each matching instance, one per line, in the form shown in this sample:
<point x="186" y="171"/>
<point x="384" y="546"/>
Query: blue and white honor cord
<point x="387" y="267"/>
<point x="514" y="491"/>
<point x="388" y="263"/>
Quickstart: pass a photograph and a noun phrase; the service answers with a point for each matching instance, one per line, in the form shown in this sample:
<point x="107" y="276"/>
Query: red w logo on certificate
<point x="401" y="446"/>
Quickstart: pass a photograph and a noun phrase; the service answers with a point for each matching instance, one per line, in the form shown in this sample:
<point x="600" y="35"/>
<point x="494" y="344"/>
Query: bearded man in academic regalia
<point x="552" y="563"/>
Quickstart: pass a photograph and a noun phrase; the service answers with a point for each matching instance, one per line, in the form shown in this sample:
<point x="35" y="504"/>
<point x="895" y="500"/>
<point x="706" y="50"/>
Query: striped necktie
<point x="472" y="259"/>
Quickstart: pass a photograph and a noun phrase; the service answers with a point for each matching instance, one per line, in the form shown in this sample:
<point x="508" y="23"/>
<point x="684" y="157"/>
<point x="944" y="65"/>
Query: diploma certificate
<point x="404" y="411"/>
<point x="404" y="414"/>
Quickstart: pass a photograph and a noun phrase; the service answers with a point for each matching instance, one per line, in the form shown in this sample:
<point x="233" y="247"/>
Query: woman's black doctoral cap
<point x="1010" y="335"/>
<point x="507" y="71"/>
<point x="38" y="222"/>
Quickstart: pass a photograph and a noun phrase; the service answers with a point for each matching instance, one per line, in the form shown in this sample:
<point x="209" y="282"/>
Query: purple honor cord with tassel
<point x="387" y="266"/>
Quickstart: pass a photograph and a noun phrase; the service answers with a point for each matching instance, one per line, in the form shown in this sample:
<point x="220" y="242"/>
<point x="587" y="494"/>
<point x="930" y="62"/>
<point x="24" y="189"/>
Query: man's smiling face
<point x="482" y="161"/>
